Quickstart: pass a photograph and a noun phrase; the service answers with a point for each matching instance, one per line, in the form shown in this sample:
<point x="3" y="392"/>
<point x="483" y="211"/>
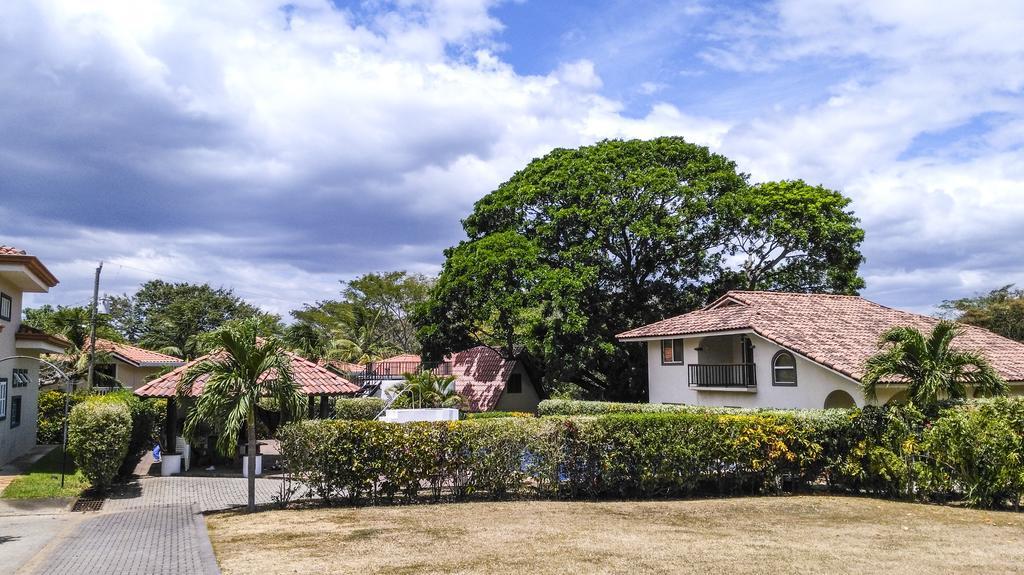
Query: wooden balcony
<point x="718" y="376"/>
<point x="397" y="369"/>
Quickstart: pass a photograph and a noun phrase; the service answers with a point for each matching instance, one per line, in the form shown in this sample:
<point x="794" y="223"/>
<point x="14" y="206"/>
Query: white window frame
<point x="3" y="398"/>
<point x="776" y="367"/>
<point x="672" y="345"/>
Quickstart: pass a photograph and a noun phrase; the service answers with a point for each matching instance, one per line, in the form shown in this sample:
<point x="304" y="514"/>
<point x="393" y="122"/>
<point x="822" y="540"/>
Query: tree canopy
<point x="371" y="320"/>
<point x="1000" y="310"/>
<point x="585" y="243"/>
<point x="172" y="316"/>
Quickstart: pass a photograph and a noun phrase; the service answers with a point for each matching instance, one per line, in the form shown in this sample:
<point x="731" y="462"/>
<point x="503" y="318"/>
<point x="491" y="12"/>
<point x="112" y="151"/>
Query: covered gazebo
<point x="314" y="381"/>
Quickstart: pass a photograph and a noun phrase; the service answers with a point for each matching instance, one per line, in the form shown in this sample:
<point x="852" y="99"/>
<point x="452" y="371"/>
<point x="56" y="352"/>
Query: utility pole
<point x="92" y="325"/>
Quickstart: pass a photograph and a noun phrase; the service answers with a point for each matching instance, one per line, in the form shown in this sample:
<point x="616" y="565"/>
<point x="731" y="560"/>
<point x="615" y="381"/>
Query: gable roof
<point x="481" y="376"/>
<point x="11" y="255"/>
<point x="311" y="378"/>
<point x="837" y="331"/>
<point x="136" y="355"/>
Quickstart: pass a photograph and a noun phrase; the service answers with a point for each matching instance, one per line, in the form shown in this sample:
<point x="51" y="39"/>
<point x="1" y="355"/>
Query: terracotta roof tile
<point x="840" y="332"/>
<point x="9" y="251"/>
<point x="311" y="378"/>
<point x="481" y="375"/>
<point x="136" y="355"/>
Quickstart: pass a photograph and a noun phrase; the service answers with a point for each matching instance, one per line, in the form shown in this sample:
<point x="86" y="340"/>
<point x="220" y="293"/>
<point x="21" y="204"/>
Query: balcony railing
<point x="397" y="369"/>
<point x="729" y="375"/>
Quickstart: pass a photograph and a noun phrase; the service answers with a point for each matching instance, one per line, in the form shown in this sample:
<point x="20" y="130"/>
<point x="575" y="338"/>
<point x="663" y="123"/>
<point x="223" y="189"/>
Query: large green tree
<point x="792" y="236"/>
<point x="172" y="316"/>
<point x="585" y="243"/>
<point x="1000" y="310"/>
<point x="371" y="320"/>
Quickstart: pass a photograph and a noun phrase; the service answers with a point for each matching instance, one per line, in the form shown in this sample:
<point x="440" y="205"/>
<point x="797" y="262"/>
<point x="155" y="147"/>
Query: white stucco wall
<point x="669" y="384"/>
<point x="526" y="401"/>
<point x="16" y="441"/>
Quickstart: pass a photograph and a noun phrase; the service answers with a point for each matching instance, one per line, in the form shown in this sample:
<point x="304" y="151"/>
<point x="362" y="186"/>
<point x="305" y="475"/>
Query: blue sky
<point x="277" y="148"/>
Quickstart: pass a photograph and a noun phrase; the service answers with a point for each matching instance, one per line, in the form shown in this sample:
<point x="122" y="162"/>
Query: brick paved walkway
<point x="154" y="527"/>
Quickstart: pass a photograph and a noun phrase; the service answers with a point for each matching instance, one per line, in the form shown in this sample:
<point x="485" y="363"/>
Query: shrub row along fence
<point x="971" y="452"/>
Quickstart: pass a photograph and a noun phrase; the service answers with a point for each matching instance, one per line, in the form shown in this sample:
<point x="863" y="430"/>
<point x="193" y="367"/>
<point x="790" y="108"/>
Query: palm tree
<point x="930" y="366"/>
<point x="244" y="369"/>
<point x="427" y="389"/>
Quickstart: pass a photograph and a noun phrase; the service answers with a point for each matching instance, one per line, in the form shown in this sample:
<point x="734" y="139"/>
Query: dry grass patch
<point x="754" y="535"/>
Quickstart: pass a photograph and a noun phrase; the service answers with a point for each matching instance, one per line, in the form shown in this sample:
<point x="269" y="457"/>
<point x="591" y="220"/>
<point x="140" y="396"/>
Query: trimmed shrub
<point x="495" y="414"/>
<point x="147" y="422"/>
<point x="357" y="408"/>
<point x="99" y="433"/>
<point x="628" y="455"/>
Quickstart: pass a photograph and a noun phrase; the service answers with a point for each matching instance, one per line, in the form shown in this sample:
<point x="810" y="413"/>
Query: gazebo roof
<point x="311" y="378"/>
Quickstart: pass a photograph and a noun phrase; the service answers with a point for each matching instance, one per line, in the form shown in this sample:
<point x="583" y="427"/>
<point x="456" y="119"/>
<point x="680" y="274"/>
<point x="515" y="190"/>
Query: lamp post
<point x="67" y="397"/>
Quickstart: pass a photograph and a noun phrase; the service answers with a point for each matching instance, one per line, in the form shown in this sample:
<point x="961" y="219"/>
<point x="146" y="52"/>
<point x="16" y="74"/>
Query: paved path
<point x="155" y="526"/>
<point x="26" y="529"/>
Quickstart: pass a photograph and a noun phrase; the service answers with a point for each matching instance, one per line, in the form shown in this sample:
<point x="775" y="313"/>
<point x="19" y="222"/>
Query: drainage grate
<point x="88" y="504"/>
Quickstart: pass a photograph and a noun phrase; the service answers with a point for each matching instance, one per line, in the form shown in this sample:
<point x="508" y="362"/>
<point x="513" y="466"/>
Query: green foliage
<point x="244" y="370"/>
<point x="70" y="322"/>
<point x="629" y="455"/>
<point x="1000" y="310"/>
<point x="426" y="390"/>
<point x="795" y="237"/>
<point x="931" y="366"/>
<point x="171" y="316"/>
<point x="147" y="417"/>
<point x="370" y="322"/>
<point x="99" y="433"/>
<point x="583" y="244"/>
<point x="978" y="449"/>
<point x="357" y="408"/>
<point x="495" y="414"/>
<point x="50" y="422"/>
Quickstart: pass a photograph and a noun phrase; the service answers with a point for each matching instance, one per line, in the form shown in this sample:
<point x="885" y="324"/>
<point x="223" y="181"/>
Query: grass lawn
<point x="43" y="480"/>
<point x="806" y="534"/>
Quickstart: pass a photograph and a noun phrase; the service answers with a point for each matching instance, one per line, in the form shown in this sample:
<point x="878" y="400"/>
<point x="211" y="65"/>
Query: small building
<point x="788" y="350"/>
<point x="487" y="380"/>
<point x="21" y="273"/>
<point x="130" y="366"/>
<point x="314" y="381"/>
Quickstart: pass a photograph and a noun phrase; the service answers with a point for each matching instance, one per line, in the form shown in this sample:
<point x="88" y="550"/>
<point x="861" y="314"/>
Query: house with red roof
<point x="131" y="366"/>
<point x="485" y="378"/>
<point x="21" y="273"/>
<point x="788" y="350"/>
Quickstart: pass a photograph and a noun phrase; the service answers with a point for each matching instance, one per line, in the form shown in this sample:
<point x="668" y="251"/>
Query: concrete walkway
<point x="153" y="526"/>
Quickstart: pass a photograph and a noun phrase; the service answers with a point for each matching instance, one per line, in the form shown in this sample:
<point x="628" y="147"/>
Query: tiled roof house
<point x="771" y="349"/>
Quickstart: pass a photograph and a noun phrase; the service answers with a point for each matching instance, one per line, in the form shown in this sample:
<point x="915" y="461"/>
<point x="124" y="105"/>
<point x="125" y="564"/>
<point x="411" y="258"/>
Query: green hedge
<point x="631" y="455"/>
<point x="495" y="414"/>
<point x="357" y="408"/>
<point x="972" y="452"/>
<point x="99" y="433"/>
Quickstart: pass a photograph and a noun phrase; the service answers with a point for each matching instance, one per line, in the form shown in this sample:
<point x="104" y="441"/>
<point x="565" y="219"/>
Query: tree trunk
<point x="251" y="460"/>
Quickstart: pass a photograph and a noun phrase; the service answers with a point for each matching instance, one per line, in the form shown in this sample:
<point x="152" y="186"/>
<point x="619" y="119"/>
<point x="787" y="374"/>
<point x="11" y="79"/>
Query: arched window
<point x="784" y="369"/>
<point x="839" y="399"/>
